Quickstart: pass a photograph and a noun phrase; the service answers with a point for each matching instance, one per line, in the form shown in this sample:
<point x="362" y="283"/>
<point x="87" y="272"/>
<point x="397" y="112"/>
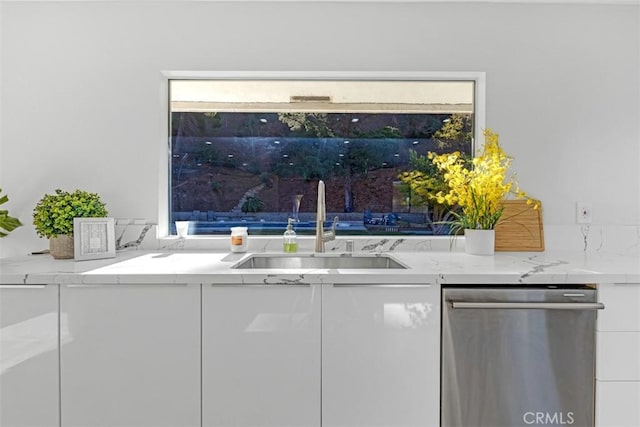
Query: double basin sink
<point x="319" y="261"/>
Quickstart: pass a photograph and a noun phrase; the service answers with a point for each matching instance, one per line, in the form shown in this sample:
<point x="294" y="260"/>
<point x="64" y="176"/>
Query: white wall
<point x="81" y="104"/>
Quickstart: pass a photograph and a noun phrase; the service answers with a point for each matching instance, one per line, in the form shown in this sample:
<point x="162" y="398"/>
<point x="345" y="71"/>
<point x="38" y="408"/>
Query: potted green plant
<point x="7" y="222"/>
<point x="54" y="213"/>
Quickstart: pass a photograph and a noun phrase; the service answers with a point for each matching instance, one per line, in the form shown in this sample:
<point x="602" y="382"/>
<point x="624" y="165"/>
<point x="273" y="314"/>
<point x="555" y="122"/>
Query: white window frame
<point x="165" y="148"/>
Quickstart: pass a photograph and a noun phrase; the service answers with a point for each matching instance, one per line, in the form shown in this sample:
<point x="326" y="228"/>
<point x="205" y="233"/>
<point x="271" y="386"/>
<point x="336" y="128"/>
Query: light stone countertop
<point x="438" y="267"/>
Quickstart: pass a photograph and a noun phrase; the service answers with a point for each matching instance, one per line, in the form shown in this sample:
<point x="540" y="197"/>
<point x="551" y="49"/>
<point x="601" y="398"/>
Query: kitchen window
<point x="250" y="152"/>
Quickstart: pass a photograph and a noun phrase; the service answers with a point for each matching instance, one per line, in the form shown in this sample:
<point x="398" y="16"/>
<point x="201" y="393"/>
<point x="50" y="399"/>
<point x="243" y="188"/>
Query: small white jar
<point x="239" y="239"/>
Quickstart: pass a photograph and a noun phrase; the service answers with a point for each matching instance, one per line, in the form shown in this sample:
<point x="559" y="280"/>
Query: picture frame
<point x="94" y="238"/>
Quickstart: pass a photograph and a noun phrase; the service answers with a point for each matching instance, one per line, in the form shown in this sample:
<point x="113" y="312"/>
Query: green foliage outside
<point x="194" y="124"/>
<point x="265" y="178"/>
<point x="308" y="124"/>
<point x="7" y="222"/>
<point x="455" y="134"/>
<point x="385" y="132"/>
<point x="304" y="161"/>
<point x="216" y="186"/>
<point x="207" y="154"/>
<point x="54" y="213"/>
<point x="252" y="204"/>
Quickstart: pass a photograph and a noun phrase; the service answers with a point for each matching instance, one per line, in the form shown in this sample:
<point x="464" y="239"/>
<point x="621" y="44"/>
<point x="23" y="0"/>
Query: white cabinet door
<point x="380" y="355"/>
<point x="29" y="356"/>
<point x="618" y="356"/>
<point x="261" y="355"/>
<point x="621" y="307"/>
<point x="618" y="404"/>
<point x="132" y="357"/>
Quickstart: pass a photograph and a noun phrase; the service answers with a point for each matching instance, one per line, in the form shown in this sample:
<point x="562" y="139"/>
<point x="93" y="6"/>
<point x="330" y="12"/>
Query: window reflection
<point x="278" y="322"/>
<point x="31" y="338"/>
<point x="407" y="315"/>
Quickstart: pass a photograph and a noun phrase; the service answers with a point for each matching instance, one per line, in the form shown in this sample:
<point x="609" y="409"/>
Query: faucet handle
<point x="328" y="235"/>
<point x="334" y="225"/>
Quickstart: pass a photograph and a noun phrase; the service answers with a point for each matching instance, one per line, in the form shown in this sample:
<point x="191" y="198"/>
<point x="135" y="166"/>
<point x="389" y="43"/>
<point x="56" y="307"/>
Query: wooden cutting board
<point x="520" y="228"/>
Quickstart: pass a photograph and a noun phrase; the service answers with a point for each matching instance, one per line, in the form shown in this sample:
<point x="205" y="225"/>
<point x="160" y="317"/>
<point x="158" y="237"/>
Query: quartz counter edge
<point x="182" y="267"/>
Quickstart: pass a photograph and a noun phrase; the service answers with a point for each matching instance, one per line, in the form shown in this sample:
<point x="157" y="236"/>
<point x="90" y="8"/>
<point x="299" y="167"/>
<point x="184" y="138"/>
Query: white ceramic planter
<point x="479" y="242"/>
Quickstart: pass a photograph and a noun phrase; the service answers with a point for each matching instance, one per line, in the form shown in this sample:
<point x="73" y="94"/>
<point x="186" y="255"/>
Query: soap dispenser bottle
<point x="290" y="239"/>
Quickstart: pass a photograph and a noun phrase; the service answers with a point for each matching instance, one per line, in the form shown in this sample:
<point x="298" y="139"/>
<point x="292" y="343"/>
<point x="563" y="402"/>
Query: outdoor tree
<point x="455" y="133"/>
<point x="308" y="124"/>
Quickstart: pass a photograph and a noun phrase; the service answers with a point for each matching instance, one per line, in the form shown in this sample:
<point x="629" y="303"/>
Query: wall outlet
<point x="583" y="213"/>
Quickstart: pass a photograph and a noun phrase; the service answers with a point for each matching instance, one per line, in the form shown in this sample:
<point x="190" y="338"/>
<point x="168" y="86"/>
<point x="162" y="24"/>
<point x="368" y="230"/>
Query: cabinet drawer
<point x="622" y="307"/>
<point x="618" y="356"/>
<point x="617" y="404"/>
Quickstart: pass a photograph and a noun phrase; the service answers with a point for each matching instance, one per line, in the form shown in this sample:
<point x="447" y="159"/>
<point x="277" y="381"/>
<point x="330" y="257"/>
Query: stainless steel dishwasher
<point x="518" y="356"/>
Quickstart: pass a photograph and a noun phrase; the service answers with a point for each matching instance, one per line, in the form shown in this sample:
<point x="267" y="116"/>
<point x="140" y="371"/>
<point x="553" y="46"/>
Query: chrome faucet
<point x="323" y="235"/>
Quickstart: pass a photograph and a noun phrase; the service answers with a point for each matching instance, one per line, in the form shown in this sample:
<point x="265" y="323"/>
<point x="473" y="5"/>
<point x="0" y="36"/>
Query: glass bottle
<point x="290" y="239"/>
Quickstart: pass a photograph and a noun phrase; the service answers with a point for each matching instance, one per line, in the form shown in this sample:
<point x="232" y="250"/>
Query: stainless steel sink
<point x="315" y="261"/>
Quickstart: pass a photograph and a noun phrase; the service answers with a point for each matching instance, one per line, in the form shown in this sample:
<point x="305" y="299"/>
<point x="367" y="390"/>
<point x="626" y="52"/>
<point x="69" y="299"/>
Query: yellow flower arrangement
<point x="480" y="190"/>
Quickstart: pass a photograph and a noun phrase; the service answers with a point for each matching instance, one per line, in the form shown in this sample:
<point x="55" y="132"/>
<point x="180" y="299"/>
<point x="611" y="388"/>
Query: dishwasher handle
<point x="529" y="305"/>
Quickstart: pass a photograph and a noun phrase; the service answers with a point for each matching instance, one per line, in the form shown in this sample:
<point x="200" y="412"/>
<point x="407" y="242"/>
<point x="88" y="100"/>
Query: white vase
<point x="479" y="242"/>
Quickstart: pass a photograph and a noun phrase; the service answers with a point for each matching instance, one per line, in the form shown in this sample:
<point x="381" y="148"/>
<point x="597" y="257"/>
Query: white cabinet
<point x="617" y="404"/>
<point x="380" y="355"/>
<point x="132" y="355"/>
<point x="261" y="355"/>
<point x="29" y="355"/>
<point x="621" y="311"/>
<point x="618" y="356"/>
